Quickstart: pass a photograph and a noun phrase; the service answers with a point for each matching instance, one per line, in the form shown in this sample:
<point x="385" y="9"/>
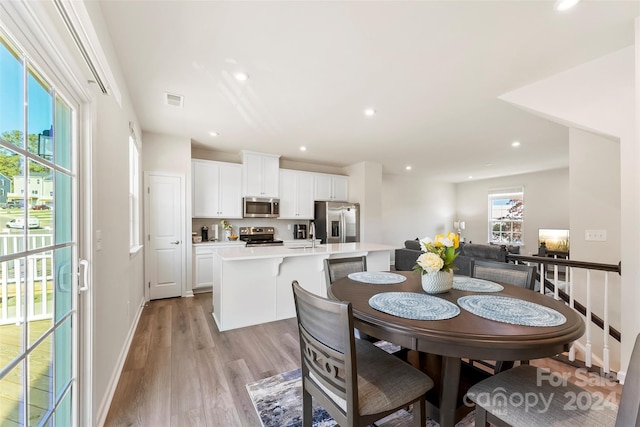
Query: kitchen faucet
<point x="312" y="234"/>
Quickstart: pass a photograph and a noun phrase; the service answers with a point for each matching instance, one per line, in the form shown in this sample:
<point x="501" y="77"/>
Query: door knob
<point x="176" y="242"/>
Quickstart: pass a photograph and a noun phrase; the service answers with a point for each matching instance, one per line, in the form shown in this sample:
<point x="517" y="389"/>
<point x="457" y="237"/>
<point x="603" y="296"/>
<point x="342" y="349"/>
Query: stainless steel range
<point x="259" y="236"/>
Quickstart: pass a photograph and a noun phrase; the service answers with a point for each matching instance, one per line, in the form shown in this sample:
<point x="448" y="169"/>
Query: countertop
<point x="243" y="253"/>
<point x="221" y="243"/>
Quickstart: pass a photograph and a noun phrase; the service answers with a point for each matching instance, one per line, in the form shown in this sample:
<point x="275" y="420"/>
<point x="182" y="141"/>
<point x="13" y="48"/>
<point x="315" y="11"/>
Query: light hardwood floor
<point x="181" y="371"/>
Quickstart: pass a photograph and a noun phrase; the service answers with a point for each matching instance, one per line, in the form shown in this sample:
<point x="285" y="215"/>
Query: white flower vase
<point x="438" y="282"/>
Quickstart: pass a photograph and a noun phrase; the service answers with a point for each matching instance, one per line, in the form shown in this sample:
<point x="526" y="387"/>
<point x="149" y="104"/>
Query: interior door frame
<point x="146" y="236"/>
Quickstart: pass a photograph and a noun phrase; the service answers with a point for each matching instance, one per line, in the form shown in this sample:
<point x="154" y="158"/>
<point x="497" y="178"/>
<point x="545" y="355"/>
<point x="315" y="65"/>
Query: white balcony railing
<point x="34" y="271"/>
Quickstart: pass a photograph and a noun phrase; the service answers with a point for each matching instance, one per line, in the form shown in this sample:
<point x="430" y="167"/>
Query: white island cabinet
<point x="253" y="285"/>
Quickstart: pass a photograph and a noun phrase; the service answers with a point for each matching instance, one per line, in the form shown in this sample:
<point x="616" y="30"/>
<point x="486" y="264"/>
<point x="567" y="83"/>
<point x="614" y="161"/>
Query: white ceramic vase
<point x="438" y="282"/>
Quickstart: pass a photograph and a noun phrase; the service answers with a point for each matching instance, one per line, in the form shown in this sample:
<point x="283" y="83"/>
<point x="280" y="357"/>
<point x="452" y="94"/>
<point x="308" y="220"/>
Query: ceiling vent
<point x="173" y="99"/>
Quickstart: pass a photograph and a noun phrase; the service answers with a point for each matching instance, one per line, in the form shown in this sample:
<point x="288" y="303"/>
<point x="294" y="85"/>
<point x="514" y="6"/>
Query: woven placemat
<point x="410" y="305"/>
<point x="511" y="310"/>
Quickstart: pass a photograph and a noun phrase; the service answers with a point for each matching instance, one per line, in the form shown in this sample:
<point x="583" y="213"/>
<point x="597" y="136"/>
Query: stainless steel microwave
<point x="256" y="207"/>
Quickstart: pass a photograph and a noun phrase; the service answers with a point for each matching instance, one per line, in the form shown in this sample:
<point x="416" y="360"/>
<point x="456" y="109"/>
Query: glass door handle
<point x="83" y="273"/>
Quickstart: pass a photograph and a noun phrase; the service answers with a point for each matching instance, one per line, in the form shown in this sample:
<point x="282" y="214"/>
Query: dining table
<point x="475" y="320"/>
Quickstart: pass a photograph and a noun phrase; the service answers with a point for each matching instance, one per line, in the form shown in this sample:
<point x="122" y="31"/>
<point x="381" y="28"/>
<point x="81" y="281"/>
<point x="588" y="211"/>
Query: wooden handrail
<point x="566" y="262"/>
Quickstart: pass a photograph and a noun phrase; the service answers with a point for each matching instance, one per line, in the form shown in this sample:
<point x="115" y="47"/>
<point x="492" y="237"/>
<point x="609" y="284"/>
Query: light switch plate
<point x="595" y="235"/>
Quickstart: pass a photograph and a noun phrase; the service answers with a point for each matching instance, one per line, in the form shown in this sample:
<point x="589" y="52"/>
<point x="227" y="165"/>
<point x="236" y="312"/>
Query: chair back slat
<point x="327" y="338"/>
<point x="338" y="268"/>
<point x="502" y="272"/>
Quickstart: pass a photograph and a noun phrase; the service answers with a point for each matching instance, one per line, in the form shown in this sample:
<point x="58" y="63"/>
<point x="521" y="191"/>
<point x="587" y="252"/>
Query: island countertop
<point x="262" y="252"/>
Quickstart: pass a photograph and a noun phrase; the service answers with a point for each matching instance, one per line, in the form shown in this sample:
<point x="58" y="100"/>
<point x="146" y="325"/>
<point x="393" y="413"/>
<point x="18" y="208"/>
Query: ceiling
<point x="432" y="70"/>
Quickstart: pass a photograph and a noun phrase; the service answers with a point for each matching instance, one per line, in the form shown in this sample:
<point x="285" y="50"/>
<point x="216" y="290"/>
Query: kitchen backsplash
<point x="281" y="226"/>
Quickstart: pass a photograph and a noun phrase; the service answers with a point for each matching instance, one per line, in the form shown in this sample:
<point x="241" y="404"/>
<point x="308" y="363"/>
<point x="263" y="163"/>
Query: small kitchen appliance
<point x="300" y="231"/>
<point x="204" y="231"/>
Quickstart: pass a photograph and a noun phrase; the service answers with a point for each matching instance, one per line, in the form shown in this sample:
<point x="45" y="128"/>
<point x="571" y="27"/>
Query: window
<point x="134" y="193"/>
<point x="506" y="213"/>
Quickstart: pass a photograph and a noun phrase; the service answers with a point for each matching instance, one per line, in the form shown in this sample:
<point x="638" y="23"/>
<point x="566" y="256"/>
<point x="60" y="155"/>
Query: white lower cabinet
<point x="203" y="262"/>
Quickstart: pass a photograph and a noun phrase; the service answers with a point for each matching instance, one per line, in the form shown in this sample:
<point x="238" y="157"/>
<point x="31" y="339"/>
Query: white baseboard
<point x="103" y="410"/>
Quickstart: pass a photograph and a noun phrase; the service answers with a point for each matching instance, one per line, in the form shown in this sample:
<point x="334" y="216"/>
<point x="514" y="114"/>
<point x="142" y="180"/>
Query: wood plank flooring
<point x="182" y="371"/>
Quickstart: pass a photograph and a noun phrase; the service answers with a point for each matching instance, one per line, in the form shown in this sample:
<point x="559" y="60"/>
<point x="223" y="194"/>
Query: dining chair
<point x="520" y="275"/>
<point x="353" y="380"/>
<point x="338" y="268"/>
<point x="559" y="402"/>
<point x="505" y="272"/>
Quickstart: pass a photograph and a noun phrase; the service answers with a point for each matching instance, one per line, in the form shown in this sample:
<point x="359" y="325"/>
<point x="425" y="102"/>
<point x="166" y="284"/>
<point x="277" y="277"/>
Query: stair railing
<point x="554" y="288"/>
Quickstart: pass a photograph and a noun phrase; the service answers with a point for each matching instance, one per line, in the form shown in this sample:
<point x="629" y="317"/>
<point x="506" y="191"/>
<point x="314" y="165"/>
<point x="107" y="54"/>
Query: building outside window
<point x="506" y="216"/>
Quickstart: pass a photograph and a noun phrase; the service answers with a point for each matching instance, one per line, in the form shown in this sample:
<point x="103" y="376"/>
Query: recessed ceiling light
<point x="515" y="144"/>
<point x="213" y="133"/>
<point x="470" y="177"/>
<point x="561" y="5"/>
<point x="241" y="77"/>
<point x="408" y="168"/>
<point x="303" y="148"/>
<point x="369" y="112"/>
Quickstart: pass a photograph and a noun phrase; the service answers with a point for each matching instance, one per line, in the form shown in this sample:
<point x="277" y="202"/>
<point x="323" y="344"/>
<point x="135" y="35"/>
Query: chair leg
<point x="419" y="413"/>
<point x="481" y="417"/>
<point x="307" y="411"/>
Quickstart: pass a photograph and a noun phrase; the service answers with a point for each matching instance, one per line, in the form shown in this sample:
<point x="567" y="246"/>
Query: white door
<point x="165" y="235"/>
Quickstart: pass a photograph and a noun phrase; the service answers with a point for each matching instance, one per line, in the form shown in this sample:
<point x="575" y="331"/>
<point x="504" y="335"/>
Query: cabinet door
<point x="205" y="189"/>
<point x="340" y="185"/>
<point x="322" y="187"/>
<point x="271" y="178"/>
<point x="230" y="190"/>
<point x="305" y="196"/>
<point x="203" y="266"/>
<point x="261" y="174"/>
<point x="288" y="195"/>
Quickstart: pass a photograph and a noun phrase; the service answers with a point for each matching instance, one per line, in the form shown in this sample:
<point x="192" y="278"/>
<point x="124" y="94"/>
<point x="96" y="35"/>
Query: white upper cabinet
<point x="260" y="174"/>
<point x="328" y="187"/>
<point x="216" y="189"/>
<point x="296" y="194"/>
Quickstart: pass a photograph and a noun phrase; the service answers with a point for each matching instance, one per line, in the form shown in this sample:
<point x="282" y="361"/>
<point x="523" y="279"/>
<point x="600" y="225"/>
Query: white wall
<point x="365" y="181"/>
<point x="546" y="205"/>
<point x="172" y="155"/>
<point x="118" y="277"/>
<point x="595" y="205"/>
<point x="415" y="207"/>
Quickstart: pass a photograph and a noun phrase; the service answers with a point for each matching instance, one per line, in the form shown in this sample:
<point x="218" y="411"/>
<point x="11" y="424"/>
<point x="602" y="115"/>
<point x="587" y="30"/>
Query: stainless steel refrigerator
<point x="337" y="222"/>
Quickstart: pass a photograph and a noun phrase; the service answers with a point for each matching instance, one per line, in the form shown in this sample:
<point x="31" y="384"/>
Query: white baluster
<point x="587" y="361"/>
<point x="605" y="350"/>
<point x="572" y="350"/>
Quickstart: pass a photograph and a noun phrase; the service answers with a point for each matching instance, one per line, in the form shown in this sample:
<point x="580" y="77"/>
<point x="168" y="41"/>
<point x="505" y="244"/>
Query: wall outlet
<point x="595" y="235"/>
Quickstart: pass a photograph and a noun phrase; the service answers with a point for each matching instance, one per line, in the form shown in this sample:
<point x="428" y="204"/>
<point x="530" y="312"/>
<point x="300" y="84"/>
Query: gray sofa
<point x="405" y="258"/>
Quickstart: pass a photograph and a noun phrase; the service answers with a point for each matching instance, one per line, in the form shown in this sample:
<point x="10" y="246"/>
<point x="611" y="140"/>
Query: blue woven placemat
<point x="410" y="305"/>
<point x="472" y="284"/>
<point x="511" y="310"/>
<point x="377" y="277"/>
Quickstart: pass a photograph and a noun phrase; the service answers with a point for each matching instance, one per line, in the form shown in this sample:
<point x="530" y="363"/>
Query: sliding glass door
<point x="38" y="246"/>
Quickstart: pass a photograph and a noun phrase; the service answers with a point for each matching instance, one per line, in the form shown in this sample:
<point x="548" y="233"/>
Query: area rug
<point x="278" y="401"/>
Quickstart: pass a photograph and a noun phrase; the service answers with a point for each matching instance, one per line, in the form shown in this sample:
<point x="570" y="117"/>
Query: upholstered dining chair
<point x="520" y="275"/>
<point x="505" y="399"/>
<point x="505" y="272"/>
<point x="353" y="380"/>
<point x="338" y="268"/>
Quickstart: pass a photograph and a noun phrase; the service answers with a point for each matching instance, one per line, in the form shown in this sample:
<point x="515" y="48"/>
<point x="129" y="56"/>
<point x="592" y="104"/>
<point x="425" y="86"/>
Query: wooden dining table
<point x="442" y="344"/>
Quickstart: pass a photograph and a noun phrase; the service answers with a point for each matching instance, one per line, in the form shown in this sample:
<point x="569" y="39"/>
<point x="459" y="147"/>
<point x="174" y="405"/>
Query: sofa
<point x="405" y="258"/>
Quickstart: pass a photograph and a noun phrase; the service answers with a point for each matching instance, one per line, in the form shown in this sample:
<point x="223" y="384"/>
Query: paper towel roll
<point x="215" y="231"/>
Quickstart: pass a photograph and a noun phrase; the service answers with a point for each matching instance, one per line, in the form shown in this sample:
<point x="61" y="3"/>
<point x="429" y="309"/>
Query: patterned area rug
<point x="278" y="401"/>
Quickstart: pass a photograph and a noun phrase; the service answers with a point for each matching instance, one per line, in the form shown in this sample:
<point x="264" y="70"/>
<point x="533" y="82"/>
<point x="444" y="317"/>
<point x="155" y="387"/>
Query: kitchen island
<point x="253" y="285"/>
